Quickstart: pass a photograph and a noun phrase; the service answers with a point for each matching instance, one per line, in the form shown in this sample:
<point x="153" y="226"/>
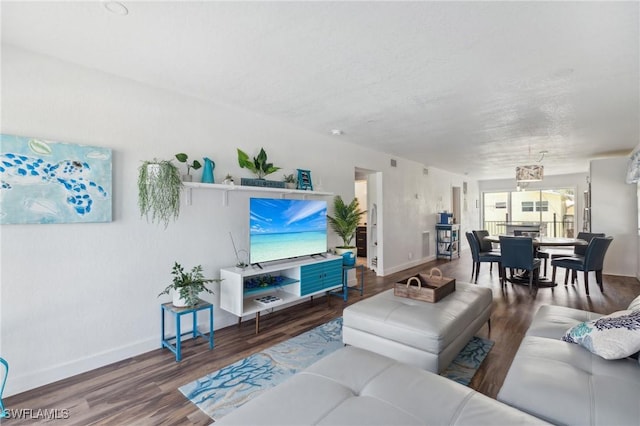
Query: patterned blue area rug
<point x="228" y="388"/>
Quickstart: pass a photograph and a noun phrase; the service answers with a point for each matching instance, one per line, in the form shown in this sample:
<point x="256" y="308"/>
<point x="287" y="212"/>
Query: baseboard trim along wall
<point x="34" y="379"/>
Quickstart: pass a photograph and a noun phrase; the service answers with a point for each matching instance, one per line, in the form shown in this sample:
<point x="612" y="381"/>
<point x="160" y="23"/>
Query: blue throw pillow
<point x="613" y="336"/>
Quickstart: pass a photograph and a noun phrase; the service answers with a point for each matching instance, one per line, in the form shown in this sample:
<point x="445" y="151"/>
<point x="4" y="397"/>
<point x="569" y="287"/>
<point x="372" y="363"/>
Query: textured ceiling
<point x="470" y="87"/>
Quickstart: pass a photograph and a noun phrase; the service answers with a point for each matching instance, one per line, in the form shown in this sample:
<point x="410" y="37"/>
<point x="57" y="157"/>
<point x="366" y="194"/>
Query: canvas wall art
<point x="53" y="182"/>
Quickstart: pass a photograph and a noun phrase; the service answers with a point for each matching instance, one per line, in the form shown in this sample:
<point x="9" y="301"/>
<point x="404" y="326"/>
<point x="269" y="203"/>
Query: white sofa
<point x="353" y="386"/>
<point x="564" y="383"/>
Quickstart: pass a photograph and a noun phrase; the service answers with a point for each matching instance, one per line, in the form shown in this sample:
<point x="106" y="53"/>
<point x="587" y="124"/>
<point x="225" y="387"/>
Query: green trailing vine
<point x="159" y="191"/>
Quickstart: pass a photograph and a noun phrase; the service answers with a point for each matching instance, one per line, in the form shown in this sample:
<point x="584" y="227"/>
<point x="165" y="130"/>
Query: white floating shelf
<point x="189" y="186"/>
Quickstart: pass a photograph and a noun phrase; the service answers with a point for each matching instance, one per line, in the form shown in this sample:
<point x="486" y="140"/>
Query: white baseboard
<point x="402" y="267"/>
<point x="34" y="379"/>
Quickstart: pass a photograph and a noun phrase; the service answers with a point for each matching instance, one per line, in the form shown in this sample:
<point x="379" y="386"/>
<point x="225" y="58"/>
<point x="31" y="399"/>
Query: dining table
<point x="537" y="243"/>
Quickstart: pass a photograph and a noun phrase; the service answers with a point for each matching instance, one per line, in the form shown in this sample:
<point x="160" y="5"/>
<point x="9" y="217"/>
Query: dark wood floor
<point x="144" y="389"/>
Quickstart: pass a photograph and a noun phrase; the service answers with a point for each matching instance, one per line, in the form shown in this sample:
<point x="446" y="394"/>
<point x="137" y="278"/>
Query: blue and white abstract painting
<point x="53" y="182"/>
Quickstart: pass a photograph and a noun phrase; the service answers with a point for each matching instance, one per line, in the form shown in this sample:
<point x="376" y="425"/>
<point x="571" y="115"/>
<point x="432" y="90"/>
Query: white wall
<point x="360" y="188"/>
<point x="74" y="297"/>
<point x="418" y="198"/>
<point x="614" y="211"/>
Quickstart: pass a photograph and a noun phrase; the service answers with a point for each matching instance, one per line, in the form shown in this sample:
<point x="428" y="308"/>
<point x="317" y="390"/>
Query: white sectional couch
<point x="564" y="383"/>
<point x="353" y="386"/>
<point x="549" y="381"/>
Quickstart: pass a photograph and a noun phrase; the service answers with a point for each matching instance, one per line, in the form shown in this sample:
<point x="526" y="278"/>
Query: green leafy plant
<point x="259" y="166"/>
<point x="188" y="284"/>
<point x="195" y="164"/>
<point x="159" y="187"/>
<point x="345" y="219"/>
<point x="289" y="178"/>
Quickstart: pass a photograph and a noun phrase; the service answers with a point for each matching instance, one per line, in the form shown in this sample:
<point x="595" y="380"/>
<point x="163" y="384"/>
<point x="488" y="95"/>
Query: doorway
<point x="455" y="204"/>
<point x="368" y="191"/>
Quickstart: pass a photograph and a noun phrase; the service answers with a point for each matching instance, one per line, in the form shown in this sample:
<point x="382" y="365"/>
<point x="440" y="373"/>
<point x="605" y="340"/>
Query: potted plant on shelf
<point x="344" y="222"/>
<point x="195" y="165"/>
<point x="159" y="187"/>
<point x="290" y="181"/>
<point x="228" y="179"/>
<point x="259" y="166"/>
<point x="187" y="286"/>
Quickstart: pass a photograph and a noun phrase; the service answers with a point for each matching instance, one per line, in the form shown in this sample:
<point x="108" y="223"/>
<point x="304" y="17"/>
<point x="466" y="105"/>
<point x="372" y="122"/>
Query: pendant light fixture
<point x="530" y="173"/>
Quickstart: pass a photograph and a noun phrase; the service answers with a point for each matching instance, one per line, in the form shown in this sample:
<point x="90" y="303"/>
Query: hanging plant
<point x="159" y="187"/>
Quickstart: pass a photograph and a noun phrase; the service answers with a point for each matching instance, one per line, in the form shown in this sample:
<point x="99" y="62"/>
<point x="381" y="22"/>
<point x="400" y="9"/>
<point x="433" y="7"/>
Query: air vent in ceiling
<point x="394" y="163"/>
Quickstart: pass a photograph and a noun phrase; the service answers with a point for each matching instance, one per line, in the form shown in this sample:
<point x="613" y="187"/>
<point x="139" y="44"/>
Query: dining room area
<point x="526" y="257"/>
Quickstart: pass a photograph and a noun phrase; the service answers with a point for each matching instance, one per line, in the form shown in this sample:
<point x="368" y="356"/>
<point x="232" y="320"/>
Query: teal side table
<point x="3" y="412"/>
<point x="174" y="343"/>
<point x="344" y="292"/>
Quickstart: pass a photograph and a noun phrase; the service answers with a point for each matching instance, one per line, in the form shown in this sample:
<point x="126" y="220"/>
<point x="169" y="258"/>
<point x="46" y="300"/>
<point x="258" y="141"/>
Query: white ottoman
<point x="427" y="335"/>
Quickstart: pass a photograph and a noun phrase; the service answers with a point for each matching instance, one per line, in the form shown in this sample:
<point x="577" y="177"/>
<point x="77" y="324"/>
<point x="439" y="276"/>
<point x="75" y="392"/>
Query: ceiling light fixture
<point x="337" y="132"/>
<point x="116" y="7"/>
<point x="530" y="173"/>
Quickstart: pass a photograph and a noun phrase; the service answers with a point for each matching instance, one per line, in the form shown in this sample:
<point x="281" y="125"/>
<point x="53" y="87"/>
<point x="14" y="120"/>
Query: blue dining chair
<point x="517" y="253"/>
<point x="479" y="257"/>
<point x="553" y="253"/>
<point x="485" y="246"/>
<point x="3" y="412"/>
<point x="592" y="260"/>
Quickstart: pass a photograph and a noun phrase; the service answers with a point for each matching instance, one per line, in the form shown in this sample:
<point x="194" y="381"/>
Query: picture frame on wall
<point x="51" y="182"/>
<point x="304" y="180"/>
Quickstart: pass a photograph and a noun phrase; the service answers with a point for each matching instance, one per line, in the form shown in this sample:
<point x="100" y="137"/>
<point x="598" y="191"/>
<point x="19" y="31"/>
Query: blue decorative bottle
<point x="207" y="173"/>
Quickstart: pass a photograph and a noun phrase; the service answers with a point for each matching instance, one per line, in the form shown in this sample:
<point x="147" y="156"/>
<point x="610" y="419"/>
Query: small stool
<point x="344" y="293"/>
<point x="177" y="314"/>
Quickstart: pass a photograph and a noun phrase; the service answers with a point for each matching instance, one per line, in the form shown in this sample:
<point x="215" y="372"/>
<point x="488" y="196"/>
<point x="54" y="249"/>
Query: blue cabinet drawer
<point x="320" y="276"/>
<point x="333" y="273"/>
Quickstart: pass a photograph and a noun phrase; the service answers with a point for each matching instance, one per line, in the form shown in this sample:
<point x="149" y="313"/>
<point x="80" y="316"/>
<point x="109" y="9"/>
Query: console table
<point x="252" y="290"/>
<point x="177" y="314"/>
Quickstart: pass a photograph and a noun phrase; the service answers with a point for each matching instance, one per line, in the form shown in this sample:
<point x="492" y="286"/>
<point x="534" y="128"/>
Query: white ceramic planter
<point x="178" y="301"/>
<point x="153" y="171"/>
<point x="341" y="251"/>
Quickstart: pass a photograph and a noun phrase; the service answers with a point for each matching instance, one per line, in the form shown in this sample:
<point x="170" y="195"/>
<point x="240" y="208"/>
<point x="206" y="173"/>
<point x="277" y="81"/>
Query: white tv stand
<point x="295" y="280"/>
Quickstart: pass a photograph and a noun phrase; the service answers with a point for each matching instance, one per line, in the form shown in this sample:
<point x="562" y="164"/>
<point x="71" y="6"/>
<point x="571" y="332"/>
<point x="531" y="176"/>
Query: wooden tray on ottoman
<point x="426" y="288"/>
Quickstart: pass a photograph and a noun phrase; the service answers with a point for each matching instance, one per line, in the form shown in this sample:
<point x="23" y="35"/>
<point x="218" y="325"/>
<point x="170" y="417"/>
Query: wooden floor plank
<point x="144" y="389"/>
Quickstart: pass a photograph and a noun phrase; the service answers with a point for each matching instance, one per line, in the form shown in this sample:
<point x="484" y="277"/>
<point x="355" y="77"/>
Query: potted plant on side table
<point x="187" y="286"/>
<point x="344" y="222"/>
<point x="159" y="187"/>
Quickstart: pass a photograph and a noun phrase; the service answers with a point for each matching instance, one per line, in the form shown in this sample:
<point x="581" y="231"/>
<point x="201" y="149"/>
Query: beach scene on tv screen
<point x="280" y="229"/>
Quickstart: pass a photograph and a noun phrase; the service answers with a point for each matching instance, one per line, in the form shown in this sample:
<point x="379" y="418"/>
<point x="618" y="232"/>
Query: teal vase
<point x="207" y="173"/>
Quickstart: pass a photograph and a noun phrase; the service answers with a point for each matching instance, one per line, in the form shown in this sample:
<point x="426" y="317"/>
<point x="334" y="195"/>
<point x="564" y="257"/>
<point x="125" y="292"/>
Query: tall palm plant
<point x="345" y="219"/>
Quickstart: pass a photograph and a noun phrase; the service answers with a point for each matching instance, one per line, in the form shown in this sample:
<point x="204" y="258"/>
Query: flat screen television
<point x="282" y="229"/>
